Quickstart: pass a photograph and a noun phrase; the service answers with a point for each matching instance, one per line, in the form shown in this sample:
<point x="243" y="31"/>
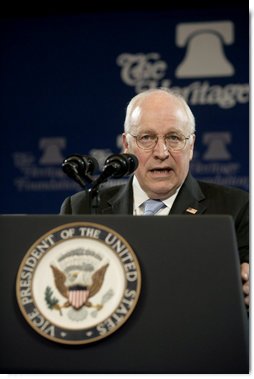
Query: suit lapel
<point x="190" y="199"/>
<point x="122" y="202"/>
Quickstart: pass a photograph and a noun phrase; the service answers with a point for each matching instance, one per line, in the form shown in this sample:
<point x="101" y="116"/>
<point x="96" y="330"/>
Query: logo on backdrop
<point x="215" y="162"/>
<point x="78" y="283"/>
<point x="43" y="171"/>
<point x="204" y="58"/>
<point x="204" y="42"/>
<point x="51" y="150"/>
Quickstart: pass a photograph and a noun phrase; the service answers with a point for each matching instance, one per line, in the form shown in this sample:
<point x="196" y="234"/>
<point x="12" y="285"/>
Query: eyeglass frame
<point x="157" y="139"/>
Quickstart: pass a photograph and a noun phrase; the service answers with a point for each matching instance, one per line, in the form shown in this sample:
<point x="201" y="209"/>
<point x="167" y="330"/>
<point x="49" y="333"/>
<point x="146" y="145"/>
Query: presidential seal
<point x="78" y="283"/>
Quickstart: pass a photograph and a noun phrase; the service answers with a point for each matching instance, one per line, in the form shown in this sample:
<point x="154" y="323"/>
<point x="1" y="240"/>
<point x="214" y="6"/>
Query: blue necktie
<point x="152" y="207"/>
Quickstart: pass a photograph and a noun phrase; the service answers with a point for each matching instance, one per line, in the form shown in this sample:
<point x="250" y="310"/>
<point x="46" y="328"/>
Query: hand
<point x="245" y="273"/>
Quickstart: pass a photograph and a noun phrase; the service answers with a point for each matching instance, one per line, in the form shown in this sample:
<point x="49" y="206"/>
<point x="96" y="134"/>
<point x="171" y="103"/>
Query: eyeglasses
<point x="173" y="141"/>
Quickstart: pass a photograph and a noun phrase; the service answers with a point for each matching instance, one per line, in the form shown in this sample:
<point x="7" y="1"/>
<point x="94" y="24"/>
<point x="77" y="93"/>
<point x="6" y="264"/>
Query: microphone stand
<point x="94" y="199"/>
<point x="93" y="192"/>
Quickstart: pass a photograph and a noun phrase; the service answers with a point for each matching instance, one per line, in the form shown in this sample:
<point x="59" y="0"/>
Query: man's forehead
<point x="152" y="119"/>
<point x="163" y="111"/>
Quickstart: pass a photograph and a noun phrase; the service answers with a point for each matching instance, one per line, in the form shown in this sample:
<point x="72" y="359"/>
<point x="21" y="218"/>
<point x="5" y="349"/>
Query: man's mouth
<point x="161" y="171"/>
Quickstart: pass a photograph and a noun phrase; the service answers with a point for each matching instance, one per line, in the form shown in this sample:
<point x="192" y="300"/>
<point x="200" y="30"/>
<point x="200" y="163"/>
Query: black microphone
<point x="116" y="166"/>
<point x="80" y="168"/>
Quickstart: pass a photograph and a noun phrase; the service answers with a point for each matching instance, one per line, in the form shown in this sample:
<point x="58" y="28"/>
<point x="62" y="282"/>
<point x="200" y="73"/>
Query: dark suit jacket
<point x="204" y="197"/>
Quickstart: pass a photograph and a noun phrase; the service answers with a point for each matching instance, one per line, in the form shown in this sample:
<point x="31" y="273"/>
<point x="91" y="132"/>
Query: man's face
<point x="160" y="171"/>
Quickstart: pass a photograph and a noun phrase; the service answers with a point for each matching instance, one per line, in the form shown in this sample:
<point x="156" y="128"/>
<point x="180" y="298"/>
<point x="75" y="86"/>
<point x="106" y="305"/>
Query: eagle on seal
<point x="77" y="289"/>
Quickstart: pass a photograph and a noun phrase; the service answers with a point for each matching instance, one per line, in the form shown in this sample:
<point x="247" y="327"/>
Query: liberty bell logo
<point x="205" y="56"/>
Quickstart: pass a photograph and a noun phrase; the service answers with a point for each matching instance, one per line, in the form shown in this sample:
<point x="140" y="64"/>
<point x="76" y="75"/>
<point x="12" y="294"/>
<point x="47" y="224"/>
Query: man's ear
<point x="192" y="143"/>
<point x="125" y="143"/>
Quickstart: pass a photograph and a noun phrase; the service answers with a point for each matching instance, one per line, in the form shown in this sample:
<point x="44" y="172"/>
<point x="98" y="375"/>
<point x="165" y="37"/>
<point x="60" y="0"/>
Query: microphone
<point x="116" y="166"/>
<point x="80" y="168"/>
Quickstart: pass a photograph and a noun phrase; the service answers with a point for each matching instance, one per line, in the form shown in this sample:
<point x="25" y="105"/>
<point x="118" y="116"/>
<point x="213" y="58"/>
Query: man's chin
<point x="161" y="192"/>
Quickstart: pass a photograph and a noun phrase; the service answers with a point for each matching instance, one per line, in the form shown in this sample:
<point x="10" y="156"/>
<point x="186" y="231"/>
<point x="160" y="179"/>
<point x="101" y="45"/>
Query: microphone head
<point x="121" y="164"/>
<point x="91" y="164"/>
<point x="132" y="162"/>
<point x="81" y="166"/>
<point x="72" y="164"/>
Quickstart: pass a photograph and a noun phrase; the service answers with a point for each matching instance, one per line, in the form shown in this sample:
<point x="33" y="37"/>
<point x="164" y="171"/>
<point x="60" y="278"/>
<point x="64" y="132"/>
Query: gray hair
<point x="141" y="96"/>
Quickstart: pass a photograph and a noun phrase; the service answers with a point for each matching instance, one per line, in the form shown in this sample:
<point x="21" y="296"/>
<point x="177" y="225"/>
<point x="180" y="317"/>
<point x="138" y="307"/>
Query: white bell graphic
<point x="216" y="146"/>
<point x="205" y="55"/>
<point x="52" y="150"/>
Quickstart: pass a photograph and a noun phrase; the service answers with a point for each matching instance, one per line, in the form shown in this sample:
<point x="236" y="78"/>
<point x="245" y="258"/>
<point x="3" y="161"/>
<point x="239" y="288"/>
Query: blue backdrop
<point x="66" y="81"/>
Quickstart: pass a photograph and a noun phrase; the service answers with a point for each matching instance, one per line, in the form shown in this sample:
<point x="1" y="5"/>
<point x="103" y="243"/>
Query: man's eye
<point x="173" y="137"/>
<point x="147" y="137"/>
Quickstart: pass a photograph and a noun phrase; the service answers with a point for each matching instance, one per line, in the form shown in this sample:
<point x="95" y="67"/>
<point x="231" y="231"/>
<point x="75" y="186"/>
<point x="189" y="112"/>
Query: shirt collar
<point x="139" y="196"/>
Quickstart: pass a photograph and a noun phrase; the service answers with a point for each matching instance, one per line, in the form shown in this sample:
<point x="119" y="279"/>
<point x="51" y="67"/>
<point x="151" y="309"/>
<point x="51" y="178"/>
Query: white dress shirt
<point x="139" y="197"/>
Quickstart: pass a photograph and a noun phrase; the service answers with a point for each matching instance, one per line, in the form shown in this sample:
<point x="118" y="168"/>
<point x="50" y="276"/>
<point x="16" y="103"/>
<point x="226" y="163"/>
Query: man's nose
<point x="161" y="149"/>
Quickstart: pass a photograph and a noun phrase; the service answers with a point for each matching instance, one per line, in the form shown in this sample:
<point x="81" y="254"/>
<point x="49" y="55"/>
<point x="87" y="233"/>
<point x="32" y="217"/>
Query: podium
<point x="190" y="316"/>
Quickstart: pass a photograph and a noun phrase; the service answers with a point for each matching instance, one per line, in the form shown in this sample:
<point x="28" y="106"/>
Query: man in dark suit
<point x="160" y="131"/>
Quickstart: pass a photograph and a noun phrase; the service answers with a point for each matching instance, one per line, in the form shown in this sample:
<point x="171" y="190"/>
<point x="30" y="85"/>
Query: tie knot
<point x="152" y="207"/>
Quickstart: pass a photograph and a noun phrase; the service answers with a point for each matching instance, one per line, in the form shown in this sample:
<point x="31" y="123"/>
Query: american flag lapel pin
<point x="191" y="210"/>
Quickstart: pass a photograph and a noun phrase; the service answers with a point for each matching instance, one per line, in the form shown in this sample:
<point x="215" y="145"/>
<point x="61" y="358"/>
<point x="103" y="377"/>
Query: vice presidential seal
<point x="78" y="283"/>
